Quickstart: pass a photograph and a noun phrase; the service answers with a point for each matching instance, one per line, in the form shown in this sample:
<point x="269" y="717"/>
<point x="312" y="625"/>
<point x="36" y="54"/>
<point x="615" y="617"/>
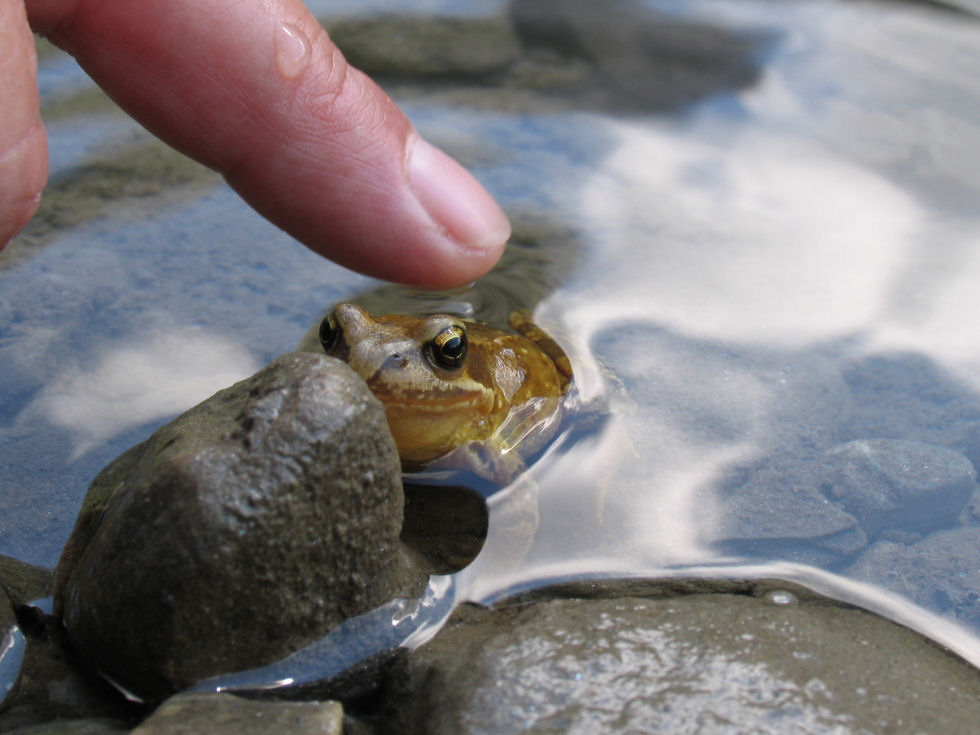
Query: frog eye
<point x="329" y="333"/>
<point x="448" y="348"/>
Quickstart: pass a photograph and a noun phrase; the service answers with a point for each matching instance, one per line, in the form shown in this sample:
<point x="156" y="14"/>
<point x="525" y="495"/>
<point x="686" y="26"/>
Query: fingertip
<point x="310" y="142"/>
<point x="456" y="202"/>
<point x="23" y="141"/>
<point x="23" y="175"/>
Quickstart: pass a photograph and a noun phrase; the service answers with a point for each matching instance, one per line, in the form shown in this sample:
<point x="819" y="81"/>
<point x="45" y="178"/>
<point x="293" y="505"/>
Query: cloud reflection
<point x="747" y="265"/>
<point x="746" y="235"/>
<point x="149" y="379"/>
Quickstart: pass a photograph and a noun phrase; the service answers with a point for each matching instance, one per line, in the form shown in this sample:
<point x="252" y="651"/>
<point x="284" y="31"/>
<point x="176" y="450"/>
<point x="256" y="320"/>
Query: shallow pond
<point x="753" y="225"/>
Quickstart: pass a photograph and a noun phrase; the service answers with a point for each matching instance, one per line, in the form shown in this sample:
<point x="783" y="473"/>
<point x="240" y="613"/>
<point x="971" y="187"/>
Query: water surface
<point x="753" y="225"/>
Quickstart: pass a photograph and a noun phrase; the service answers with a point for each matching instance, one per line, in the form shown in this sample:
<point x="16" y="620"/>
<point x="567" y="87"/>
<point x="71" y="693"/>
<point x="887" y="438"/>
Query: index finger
<point x="257" y="91"/>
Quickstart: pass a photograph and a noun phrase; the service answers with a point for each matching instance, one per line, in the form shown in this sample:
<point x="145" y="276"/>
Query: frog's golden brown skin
<point x="506" y="385"/>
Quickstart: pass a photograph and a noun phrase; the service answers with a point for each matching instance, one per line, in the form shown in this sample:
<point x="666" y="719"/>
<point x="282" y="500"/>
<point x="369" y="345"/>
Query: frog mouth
<point x="460" y="393"/>
<point x="431" y="403"/>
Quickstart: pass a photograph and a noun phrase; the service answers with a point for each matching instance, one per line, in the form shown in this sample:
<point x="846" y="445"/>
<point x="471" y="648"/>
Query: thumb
<point x="256" y="90"/>
<point x="23" y="145"/>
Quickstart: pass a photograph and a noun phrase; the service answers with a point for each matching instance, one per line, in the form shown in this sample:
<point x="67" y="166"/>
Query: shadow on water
<point x="540" y="256"/>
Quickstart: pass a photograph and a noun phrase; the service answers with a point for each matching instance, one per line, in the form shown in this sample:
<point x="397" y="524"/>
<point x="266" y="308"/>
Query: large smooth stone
<point x="771" y="662"/>
<point x="248" y="527"/>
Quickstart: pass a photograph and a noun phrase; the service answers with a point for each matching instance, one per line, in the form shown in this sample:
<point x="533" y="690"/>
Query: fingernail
<point x="455" y="200"/>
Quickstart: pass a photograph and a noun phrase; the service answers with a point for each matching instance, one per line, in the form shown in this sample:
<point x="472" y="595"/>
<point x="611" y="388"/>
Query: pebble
<point x="940" y="572"/>
<point x="896" y="484"/>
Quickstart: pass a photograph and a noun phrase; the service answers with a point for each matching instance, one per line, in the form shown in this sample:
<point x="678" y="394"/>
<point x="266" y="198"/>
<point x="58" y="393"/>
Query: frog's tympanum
<point x="458" y="394"/>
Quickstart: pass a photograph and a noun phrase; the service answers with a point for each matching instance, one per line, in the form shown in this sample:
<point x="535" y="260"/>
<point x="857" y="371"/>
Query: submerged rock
<point x="895" y="484"/>
<point x="553" y="54"/>
<point x="774" y="662"/>
<point x="940" y="572"/>
<point x="419" y="47"/>
<point x="249" y="526"/>
<point x="781" y="512"/>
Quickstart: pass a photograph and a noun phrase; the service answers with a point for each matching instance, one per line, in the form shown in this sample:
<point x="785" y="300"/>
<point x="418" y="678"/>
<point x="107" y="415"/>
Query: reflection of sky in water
<point x="118" y="326"/>
<point x="59" y="77"/>
<point x="739" y="265"/>
<point x="748" y="269"/>
<point x="72" y="141"/>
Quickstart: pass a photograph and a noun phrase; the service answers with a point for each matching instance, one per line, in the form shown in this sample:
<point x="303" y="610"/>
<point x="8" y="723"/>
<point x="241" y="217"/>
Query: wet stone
<point x="941" y="572"/>
<point x="552" y="54"/>
<point x="446" y="526"/>
<point x="700" y="662"/>
<point x="24" y="582"/>
<point x="225" y="714"/>
<point x="894" y="484"/>
<point x="248" y="527"/>
<point x="20" y="584"/>
<point x="11" y="649"/>
<point x="413" y="47"/>
<point x="971" y="513"/>
<point x="37" y="681"/>
<point x="55" y="695"/>
<point x="907" y="395"/>
<point x="780" y="511"/>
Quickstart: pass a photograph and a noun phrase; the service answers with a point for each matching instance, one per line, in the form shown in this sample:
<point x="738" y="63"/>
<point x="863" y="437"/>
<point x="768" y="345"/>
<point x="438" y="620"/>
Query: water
<point x="753" y="225"/>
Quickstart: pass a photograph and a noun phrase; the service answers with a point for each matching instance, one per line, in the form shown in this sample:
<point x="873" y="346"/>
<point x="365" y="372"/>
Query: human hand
<point x="256" y="90"/>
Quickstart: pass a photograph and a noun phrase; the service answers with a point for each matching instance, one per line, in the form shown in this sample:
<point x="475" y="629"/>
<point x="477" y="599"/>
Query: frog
<point x="458" y="394"/>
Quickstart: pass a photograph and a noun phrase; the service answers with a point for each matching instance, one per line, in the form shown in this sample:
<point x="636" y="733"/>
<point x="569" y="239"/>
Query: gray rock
<point x="51" y="688"/>
<point x="898" y="484"/>
<point x="11" y="649"/>
<point x="224" y="714"/>
<point x="417" y="47"/>
<point x="907" y="395"/>
<point x="38" y="678"/>
<point x="446" y="526"/>
<point x="776" y="663"/>
<point x="970" y="516"/>
<point x="780" y="511"/>
<point x="624" y="39"/>
<point x="20" y="583"/>
<point x="552" y="54"/>
<point x="249" y="526"/>
<point x="940" y="572"/>
<point x="24" y="582"/>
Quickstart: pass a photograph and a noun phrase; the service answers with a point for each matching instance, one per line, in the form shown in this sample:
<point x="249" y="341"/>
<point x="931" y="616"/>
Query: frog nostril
<point x="394" y="361"/>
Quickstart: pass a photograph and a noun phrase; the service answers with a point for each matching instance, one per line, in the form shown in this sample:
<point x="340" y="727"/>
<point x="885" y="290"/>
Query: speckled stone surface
<point x="247" y="527"/>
